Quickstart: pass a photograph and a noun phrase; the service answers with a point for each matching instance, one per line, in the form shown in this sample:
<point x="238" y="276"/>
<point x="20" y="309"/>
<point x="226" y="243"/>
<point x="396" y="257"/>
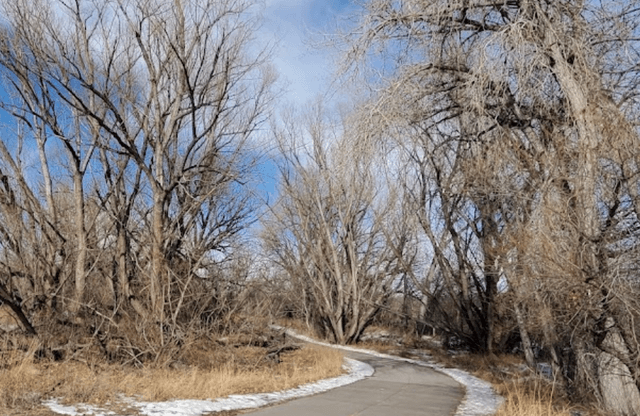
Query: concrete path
<point x="396" y="389"/>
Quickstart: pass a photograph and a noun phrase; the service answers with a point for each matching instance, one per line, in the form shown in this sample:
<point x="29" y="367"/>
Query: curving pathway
<point x="396" y="388"/>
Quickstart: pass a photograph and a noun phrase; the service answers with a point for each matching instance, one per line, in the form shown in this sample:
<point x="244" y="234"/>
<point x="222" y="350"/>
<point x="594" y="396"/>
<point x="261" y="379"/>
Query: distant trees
<point x="138" y="112"/>
<point x="518" y="121"/>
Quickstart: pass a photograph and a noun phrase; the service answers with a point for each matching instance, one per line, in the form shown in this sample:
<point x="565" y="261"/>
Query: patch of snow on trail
<point x="479" y="400"/>
<point x="356" y="371"/>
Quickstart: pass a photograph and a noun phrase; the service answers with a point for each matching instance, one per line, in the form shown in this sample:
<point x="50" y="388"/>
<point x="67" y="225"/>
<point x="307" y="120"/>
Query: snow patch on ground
<point x="63" y="410"/>
<point x="356" y="371"/>
<point x="479" y="400"/>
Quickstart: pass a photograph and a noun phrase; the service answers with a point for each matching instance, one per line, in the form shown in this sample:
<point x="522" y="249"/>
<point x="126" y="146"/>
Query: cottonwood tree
<point x="327" y="228"/>
<point x="32" y="237"/>
<point x="459" y="231"/>
<point x="150" y="107"/>
<point x="537" y="103"/>
<point x="118" y="195"/>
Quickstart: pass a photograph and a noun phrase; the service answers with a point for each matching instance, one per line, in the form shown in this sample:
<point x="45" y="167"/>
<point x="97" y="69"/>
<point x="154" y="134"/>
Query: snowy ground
<point x="480" y="400"/>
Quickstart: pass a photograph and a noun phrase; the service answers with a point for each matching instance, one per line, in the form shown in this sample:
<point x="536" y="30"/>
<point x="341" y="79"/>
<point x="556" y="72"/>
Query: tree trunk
<point x="5" y="297"/>
<point x="524" y="337"/>
<point x="122" y="248"/>
<point x="157" y="257"/>
<point x="491" y="289"/>
<point x="617" y="387"/>
<point x="80" y="270"/>
<point x="551" y="340"/>
<point x="46" y="177"/>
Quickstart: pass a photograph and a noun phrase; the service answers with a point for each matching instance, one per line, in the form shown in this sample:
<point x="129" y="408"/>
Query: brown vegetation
<point x="205" y="370"/>
<point x="525" y="391"/>
<point x="516" y="150"/>
<point x="484" y="187"/>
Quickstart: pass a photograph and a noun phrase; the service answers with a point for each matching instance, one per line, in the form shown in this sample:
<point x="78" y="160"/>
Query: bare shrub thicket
<point x="517" y="122"/>
<point x="125" y="168"/>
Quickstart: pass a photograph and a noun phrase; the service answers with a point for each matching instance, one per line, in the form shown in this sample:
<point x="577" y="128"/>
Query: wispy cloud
<point x="306" y="70"/>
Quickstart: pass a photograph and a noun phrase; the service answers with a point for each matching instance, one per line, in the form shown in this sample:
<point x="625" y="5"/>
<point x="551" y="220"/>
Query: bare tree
<point x="147" y="108"/>
<point x="535" y="103"/>
<point x="326" y="230"/>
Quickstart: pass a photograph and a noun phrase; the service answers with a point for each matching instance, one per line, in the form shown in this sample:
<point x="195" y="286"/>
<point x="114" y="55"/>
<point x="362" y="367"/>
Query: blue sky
<point x="305" y="70"/>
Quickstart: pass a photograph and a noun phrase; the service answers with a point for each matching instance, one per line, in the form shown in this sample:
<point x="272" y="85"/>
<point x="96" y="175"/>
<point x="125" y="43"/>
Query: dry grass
<point x="299" y="326"/>
<point x="25" y="382"/>
<point x="530" y="398"/>
<point x="297" y="367"/>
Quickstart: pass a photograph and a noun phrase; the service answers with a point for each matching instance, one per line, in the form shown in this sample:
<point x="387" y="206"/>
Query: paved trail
<point x="396" y="389"/>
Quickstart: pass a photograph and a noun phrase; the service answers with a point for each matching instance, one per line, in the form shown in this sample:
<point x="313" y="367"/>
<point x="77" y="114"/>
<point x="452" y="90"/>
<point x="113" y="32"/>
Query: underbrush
<point x="299" y="326"/>
<point x="525" y="392"/>
<point x="206" y="369"/>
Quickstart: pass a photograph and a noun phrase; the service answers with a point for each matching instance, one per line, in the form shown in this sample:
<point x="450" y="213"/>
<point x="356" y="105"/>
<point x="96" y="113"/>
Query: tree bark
<point x="617" y="386"/>
<point x="5" y="297"/>
<point x="156" y="283"/>
<point x="81" y="237"/>
<point x="524" y="337"/>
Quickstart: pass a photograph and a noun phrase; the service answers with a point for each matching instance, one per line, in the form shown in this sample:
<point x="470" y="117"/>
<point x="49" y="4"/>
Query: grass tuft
<point x="530" y="398"/>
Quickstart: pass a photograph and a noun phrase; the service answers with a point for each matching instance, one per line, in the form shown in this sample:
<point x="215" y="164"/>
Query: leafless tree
<point x="535" y="106"/>
<point x="146" y="110"/>
<point x="326" y="230"/>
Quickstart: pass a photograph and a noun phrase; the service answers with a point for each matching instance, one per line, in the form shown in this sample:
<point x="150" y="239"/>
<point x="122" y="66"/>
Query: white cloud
<point x="306" y="71"/>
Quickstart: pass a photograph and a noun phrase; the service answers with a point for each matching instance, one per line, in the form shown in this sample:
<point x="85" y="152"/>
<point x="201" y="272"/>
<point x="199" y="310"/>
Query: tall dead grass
<point x="25" y="381"/>
<point x="530" y="398"/>
<point x="525" y="393"/>
<point x="297" y="367"/>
